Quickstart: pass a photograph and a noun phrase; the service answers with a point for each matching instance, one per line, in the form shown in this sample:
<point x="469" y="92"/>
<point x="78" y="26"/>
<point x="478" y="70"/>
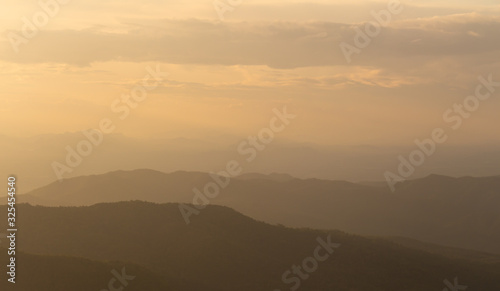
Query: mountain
<point x="224" y="250"/>
<point x="61" y="273"/>
<point x="456" y="212"/>
<point x="278" y="177"/>
<point x="448" y="252"/>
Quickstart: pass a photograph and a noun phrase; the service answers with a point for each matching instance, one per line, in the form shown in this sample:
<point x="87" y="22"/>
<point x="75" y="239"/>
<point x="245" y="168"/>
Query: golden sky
<point x="226" y="76"/>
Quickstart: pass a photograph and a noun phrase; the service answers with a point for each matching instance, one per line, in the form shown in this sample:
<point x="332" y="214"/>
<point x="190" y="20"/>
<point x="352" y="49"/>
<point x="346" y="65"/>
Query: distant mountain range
<point x="223" y="251"/>
<point x="31" y="157"/>
<point x="457" y="212"/>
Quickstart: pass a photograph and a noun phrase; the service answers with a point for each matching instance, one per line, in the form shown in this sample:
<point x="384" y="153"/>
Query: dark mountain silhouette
<point x="448" y="252"/>
<point x="224" y="250"/>
<point x="457" y="212"/>
<point x="62" y="273"/>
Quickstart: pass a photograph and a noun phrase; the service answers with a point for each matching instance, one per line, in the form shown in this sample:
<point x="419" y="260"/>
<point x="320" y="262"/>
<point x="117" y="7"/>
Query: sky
<point x="225" y="76"/>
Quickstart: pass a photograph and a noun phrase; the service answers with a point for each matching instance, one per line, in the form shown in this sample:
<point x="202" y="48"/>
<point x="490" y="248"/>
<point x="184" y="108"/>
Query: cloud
<point x="273" y="44"/>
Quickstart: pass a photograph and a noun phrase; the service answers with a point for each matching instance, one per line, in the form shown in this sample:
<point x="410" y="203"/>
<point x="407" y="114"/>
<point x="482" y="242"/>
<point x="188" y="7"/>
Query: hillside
<point x="224" y="250"/>
<point x="457" y="212"/>
<point x="61" y="273"/>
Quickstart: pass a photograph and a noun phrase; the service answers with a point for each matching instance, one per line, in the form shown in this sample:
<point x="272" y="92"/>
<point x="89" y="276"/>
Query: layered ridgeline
<point x="224" y="250"/>
<point x="458" y="212"/>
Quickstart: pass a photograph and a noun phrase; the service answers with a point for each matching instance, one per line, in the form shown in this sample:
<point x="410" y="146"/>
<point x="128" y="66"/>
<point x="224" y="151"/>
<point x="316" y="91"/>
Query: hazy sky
<point x="225" y="77"/>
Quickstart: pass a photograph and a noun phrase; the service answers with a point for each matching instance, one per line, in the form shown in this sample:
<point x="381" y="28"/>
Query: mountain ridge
<point x="455" y="212"/>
